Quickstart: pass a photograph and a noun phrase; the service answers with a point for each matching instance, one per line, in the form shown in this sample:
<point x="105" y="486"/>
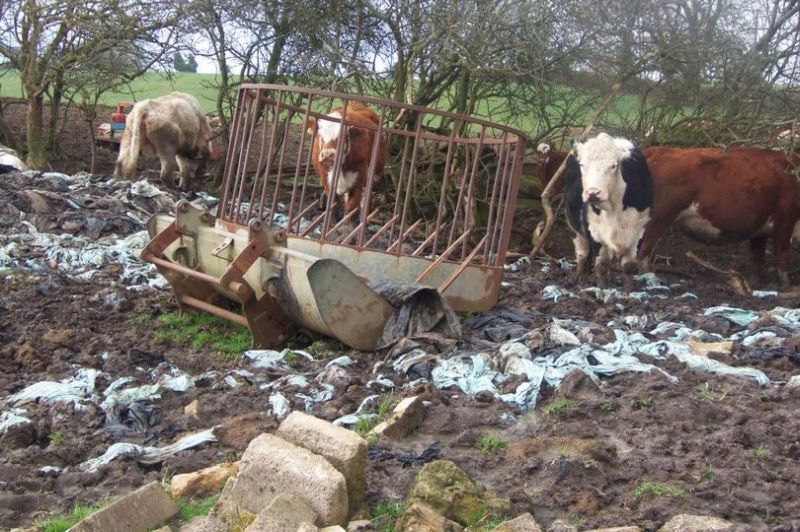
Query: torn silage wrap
<point x="418" y="309"/>
<point x="148" y="455"/>
<point x="70" y="390"/>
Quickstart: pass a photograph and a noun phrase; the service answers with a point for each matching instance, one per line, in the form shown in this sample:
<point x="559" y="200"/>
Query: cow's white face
<point x="328" y="134"/>
<point x="600" y="159"/>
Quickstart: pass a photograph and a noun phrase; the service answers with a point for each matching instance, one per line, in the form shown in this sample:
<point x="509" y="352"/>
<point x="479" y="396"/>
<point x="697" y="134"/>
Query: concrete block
<point x="285" y="512"/>
<point x="343" y="448"/>
<point x="144" y="509"/>
<point x="271" y="466"/>
<point x="404" y="420"/>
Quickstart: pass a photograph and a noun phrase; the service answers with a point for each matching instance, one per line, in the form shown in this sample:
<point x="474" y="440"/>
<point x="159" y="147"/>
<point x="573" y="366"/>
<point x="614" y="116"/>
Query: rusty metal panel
<point x="439" y="213"/>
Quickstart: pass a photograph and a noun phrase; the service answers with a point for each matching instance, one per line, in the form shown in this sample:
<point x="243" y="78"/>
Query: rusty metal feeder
<point x="286" y="261"/>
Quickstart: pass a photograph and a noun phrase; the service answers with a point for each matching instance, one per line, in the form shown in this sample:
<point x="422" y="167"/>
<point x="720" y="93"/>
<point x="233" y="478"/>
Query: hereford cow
<point x="355" y="154"/>
<point x="548" y="161"/>
<point x="608" y="197"/>
<point x="170" y="127"/>
<point x="724" y="196"/>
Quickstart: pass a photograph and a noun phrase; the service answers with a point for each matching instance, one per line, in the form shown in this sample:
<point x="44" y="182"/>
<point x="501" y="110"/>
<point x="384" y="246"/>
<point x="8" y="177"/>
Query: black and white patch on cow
<point x="609" y="194"/>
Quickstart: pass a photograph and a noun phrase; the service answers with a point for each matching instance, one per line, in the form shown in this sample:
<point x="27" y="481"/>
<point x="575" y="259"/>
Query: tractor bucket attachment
<point x="274" y="255"/>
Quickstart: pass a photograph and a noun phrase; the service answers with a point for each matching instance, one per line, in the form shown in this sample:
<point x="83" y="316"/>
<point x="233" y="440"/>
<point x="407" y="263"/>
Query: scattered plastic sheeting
<point x="558" y="334"/>
<point x="471" y="374"/>
<point x="765" y="293"/>
<point x="762" y="340"/>
<point x="12" y="418"/>
<point x="737" y="316"/>
<point x="651" y="281"/>
<point x="681" y="332"/>
<point x="271" y="359"/>
<point x="72" y="390"/>
<point x="517" y="265"/>
<point x="607" y="294"/>
<point x="321" y="395"/>
<point x="352" y="419"/>
<point x="793" y="382"/>
<point x="148" y="455"/>
<point x="555" y="293"/>
<point x="418" y="309"/>
<point x="517" y="349"/>
<point x="431" y="453"/>
<point x="280" y="405"/>
<point x="341" y="361"/>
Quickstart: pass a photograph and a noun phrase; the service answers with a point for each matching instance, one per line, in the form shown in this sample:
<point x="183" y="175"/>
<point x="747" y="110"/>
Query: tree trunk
<point x="93" y="146"/>
<point x="37" y="140"/>
<point x="55" y="109"/>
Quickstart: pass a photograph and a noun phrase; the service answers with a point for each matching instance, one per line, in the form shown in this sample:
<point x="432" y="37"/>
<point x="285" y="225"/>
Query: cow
<point x="609" y="196"/>
<point x="548" y="160"/>
<point x="728" y="196"/>
<point x="170" y="127"/>
<point x="355" y="153"/>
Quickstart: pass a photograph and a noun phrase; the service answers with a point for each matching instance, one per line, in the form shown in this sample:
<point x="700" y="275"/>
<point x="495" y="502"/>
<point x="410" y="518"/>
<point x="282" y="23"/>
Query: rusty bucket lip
<point x="385" y="102"/>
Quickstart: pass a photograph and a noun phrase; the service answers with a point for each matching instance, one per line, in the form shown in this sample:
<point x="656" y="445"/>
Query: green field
<point x="152" y="85"/>
<point x="148" y="86"/>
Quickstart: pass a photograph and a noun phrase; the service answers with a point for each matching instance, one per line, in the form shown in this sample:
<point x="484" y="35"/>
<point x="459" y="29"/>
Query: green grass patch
<point x="761" y="452"/>
<point x="560" y="407"/>
<point x="57" y="438"/>
<point x="489" y="443"/>
<point x="386" y="513"/>
<point x="367" y="423"/>
<point x="188" y="510"/>
<point x="61" y="523"/>
<point x="642" y="401"/>
<point x="200" y="330"/>
<point x="647" y="488"/>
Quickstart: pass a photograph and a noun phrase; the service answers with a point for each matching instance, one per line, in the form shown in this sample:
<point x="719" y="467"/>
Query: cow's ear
<point x="311" y="125"/>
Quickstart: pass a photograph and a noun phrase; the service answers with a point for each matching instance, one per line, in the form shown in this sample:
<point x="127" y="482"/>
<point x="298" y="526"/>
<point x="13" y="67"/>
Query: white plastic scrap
<point x="517" y="264"/>
<point x="762" y="340"/>
<point x="561" y="336"/>
<point x="324" y="394"/>
<point x="404" y="362"/>
<point x="12" y="418"/>
<point x="794" y="382"/>
<point x="341" y="361"/>
<point x="738" y="316"/>
<point x="70" y="390"/>
<point x="471" y="374"/>
<point x="148" y="455"/>
<point x="264" y="358"/>
<point x="651" y="281"/>
<point x="352" y="419"/>
<point x="280" y="405"/>
<point x="145" y="189"/>
<point x="515" y="348"/>
<point x="555" y="292"/>
<point x="765" y="293"/>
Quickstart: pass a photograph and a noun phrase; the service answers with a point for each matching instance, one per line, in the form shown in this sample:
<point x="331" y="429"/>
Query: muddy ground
<point x="637" y="448"/>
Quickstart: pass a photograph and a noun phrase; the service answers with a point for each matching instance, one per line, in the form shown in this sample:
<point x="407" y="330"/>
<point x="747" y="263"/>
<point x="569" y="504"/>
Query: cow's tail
<point x="129" y="158"/>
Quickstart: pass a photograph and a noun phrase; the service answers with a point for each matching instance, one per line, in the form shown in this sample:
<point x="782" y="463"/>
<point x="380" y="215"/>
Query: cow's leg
<point x="629" y="268"/>
<point x="758" y="251"/>
<point x="166" y="154"/>
<point x="582" y="256"/>
<point x="185" y="166"/>
<point x="601" y="266"/>
<point x="354" y="198"/>
<point x="780" y="247"/>
<point x="652" y="234"/>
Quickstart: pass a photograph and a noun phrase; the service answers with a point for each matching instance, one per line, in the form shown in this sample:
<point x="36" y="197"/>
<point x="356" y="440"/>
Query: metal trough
<point x="274" y="250"/>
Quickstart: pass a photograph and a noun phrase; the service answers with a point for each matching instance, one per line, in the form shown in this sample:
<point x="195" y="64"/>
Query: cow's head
<point x="327" y="134"/>
<point x="601" y="159"/>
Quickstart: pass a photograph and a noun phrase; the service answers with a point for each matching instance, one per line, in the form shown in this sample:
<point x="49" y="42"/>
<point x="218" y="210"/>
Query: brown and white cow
<point x="720" y="196"/>
<point x="355" y="154"/>
<point x="172" y="127"/>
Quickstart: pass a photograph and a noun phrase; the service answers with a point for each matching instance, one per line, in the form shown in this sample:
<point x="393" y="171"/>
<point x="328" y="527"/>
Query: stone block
<point x="204" y="482"/>
<point x="144" y="509"/>
<point x="285" y="512"/>
<point x="522" y="523"/>
<point x="405" y="419"/>
<point x="271" y="466"/>
<point x="343" y="448"/>
<point x="420" y="517"/>
<point x="695" y="523"/>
